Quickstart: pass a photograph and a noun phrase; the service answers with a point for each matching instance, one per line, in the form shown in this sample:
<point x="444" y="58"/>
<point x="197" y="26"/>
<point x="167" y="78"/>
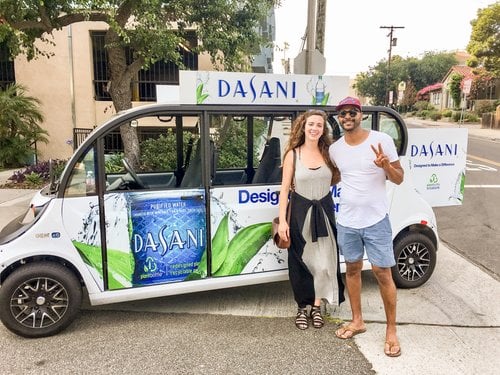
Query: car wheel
<point x="40" y="299"/>
<point x="415" y="257"/>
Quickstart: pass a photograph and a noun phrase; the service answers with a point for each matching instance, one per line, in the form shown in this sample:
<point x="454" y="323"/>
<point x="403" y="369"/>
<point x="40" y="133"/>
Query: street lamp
<point x="392" y="43"/>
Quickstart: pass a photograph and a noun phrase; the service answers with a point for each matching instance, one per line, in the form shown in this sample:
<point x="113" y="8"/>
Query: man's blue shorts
<point x="376" y="239"/>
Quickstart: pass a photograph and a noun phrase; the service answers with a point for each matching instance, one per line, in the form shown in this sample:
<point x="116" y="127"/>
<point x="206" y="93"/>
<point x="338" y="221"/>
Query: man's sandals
<point x="389" y="349"/>
<point x="347" y="332"/>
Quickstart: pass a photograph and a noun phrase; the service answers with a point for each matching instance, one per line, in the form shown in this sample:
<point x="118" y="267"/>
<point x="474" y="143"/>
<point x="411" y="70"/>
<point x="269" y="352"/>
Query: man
<point x="366" y="159"/>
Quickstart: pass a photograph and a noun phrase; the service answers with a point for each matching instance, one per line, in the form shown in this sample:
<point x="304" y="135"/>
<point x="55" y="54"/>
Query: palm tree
<point x="20" y="117"/>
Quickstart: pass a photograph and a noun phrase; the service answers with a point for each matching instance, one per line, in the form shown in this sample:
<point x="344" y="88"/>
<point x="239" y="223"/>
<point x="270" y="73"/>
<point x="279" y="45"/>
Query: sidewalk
<point x="475" y="130"/>
<point x="5" y="174"/>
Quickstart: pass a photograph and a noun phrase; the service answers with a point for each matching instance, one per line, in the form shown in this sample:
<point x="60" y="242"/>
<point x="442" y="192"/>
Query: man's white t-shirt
<point x="363" y="198"/>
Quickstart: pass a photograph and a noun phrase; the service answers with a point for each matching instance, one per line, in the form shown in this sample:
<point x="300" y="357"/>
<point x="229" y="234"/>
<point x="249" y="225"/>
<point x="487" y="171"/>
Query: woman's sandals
<point x="316" y="317"/>
<point x="301" y="321"/>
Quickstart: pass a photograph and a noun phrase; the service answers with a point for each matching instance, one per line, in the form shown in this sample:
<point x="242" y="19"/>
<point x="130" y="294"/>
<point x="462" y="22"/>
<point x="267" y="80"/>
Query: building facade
<point x="72" y="83"/>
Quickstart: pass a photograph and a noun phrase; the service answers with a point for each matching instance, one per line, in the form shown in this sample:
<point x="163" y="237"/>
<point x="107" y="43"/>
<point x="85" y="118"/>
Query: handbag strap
<point x="292" y="188"/>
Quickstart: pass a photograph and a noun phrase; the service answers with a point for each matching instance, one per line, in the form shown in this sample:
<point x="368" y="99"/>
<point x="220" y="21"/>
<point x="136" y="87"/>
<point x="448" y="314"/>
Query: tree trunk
<point x="121" y="93"/>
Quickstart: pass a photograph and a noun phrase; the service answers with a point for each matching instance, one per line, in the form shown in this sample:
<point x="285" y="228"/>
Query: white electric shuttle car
<point x="191" y="212"/>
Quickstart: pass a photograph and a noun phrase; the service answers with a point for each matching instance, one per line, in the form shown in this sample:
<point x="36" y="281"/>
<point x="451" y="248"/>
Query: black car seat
<point x="192" y="177"/>
<point x="269" y="169"/>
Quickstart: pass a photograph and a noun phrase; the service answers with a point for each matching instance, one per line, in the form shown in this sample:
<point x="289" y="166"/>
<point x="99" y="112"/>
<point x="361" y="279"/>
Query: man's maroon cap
<point x="349" y="101"/>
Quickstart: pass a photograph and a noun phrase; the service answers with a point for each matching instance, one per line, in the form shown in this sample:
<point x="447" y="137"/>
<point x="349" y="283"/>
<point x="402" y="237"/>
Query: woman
<point x="313" y="264"/>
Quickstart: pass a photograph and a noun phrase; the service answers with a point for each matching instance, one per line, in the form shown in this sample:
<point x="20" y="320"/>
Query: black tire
<point x="40" y="299"/>
<point x="415" y="257"/>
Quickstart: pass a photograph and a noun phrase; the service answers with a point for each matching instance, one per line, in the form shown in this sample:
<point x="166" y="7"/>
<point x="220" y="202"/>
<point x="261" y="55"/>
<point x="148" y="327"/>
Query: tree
<point x="431" y="68"/>
<point x="484" y="42"/>
<point x="482" y="85"/>
<point x="373" y="83"/>
<point x="410" y="97"/>
<point x="152" y="29"/>
<point x="423" y="72"/>
<point x="455" y="88"/>
<point x="19" y="126"/>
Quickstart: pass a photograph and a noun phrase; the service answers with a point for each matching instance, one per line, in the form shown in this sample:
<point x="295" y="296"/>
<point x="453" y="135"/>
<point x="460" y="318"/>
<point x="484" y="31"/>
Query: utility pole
<point x="311" y="60"/>
<point x="320" y="26"/>
<point x="392" y="43"/>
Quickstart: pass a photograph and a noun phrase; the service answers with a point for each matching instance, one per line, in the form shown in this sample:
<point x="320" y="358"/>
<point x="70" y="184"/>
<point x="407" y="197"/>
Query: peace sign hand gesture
<point x="381" y="159"/>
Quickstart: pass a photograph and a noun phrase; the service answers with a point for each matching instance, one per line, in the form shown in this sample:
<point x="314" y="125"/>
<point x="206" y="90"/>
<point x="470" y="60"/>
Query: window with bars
<point x="144" y="87"/>
<point x="7" y="75"/>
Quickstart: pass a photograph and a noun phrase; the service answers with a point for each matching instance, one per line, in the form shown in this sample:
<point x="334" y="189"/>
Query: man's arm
<point x="394" y="172"/>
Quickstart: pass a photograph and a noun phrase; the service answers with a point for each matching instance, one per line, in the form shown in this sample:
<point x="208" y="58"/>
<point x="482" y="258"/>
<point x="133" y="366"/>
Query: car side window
<point x="248" y="147"/>
<point x="391" y="127"/>
<point x="168" y="145"/>
<point x="82" y="181"/>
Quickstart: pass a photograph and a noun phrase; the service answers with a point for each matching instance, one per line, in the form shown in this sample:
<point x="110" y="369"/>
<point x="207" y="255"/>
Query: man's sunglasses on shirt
<point x="352" y="113"/>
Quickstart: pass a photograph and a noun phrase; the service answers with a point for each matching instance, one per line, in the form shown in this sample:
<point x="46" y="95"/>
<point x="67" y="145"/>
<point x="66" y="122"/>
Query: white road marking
<point x="483" y="186"/>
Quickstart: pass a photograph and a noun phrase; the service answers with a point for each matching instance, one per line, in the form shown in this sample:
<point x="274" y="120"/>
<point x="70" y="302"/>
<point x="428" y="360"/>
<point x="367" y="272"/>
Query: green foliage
<point x="34" y="179"/>
<point x="423" y="114"/>
<point x="373" y="84"/>
<point x="58" y="168"/>
<point x="484" y="106"/>
<point x="420" y="72"/>
<point x="409" y="97"/>
<point x="113" y="163"/>
<point x="455" y="89"/>
<point x="471" y="117"/>
<point x="465" y="116"/>
<point x="435" y="116"/>
<point x="447" y="113"/>
<point x="423" y="105"/>
<point x="19" y="126"/>
<point x="483" y="44"/>
<point x="158" y="154"/>
<point x="483" y="85"/>
<point x="39" y="172"/>
<point x="431" y="68"/>
<point x="230" y="141"/>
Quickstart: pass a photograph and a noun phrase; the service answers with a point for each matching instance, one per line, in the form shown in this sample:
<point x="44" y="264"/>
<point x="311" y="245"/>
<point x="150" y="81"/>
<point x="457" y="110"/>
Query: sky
<point x="354" y="40"/>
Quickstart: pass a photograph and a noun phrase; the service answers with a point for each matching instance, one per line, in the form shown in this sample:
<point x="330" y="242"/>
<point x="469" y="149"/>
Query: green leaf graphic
<point x="243" y="247"/>
<point x="325" y="99"/>
<point x="120" y="264"/>
<point x="220" y="244"/>
<point x="200" y="97"/>
<point x="219" y="251"/>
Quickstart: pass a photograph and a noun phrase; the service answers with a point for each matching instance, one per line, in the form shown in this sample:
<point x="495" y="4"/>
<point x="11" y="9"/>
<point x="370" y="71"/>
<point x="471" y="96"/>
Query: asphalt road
<point x="473" y="229"/>
<point x="117" y="342"/>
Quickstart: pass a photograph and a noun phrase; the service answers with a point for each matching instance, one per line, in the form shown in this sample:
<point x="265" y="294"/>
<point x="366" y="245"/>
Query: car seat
<point x="192" y="177"/>
<point x="269" y="169"/>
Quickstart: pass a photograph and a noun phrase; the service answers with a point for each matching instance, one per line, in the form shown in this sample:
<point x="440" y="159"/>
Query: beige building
<point x="69" y="88"/>
<point x="72" y="83"/>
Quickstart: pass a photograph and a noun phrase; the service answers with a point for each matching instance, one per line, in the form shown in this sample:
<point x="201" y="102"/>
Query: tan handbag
<point x="278" y="241"/>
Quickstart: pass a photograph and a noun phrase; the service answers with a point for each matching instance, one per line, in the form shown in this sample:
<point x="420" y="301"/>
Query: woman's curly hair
<point x="297" y="139"/>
